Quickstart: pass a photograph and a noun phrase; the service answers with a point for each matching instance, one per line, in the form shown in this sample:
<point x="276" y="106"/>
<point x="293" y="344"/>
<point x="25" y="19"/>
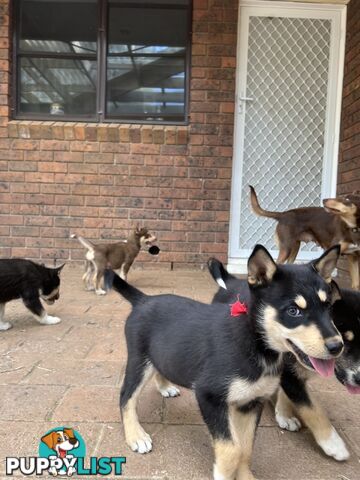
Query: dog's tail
<point x="87" y="244"/>
<point x="130" y="293"/>
<point x="219" y="272"/>
<point x="258" y="210"/>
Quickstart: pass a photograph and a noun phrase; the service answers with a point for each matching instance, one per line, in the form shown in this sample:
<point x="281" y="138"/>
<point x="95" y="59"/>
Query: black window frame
<point x="101" y="56"/>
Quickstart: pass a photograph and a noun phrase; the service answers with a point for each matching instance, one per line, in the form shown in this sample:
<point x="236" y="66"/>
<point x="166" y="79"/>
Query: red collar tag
<point x="238" y="308"/>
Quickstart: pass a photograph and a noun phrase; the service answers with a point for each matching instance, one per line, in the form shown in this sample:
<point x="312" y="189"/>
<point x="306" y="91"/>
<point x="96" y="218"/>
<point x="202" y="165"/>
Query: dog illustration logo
<point x="64" y="444"/>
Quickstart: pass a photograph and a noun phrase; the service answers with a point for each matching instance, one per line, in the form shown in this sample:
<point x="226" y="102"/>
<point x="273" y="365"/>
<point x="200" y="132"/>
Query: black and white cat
<point x="29" y="281"/>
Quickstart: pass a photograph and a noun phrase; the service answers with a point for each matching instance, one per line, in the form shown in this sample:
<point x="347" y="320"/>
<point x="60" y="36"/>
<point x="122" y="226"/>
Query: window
<point x="101" y="60"/>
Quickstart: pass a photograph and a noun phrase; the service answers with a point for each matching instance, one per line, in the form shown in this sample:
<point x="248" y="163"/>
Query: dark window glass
<point x="58" y="86"/>
<point x="57" y="57"/>
<point x="146" y="60"/>
<point x="102" y="59"/>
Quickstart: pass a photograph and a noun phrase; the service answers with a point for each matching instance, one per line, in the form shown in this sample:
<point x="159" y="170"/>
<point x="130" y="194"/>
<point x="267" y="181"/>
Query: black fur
<point x="203" y="347"/>
<point x="29" y="281"/>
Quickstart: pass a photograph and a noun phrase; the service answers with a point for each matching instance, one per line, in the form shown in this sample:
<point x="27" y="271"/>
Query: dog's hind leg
<point x="284" y="243"/>
<point x="284" y="254"/>
<point x="137" y="374"/>
<point x="33" y="304"/>
<point x="353" y="261"/>
<point x="293" y="253"/>
<point x="3" y="325"/>
<point x="166" y="388"/>
<point x="88" y="276"/>
<point x="98" y="277"/>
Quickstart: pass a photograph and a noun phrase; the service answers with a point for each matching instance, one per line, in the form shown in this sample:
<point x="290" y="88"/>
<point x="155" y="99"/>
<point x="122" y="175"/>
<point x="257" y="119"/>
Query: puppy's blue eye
<point x="294" y="312"/>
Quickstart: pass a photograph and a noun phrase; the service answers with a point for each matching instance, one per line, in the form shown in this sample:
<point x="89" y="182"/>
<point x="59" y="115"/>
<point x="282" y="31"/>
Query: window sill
<point x="99" y="132"/>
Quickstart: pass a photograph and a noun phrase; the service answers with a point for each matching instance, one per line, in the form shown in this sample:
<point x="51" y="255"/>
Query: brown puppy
<point x="120" y="255"/>
<point x="337" y="223"/>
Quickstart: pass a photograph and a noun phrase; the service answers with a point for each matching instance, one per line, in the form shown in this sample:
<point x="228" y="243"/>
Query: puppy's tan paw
<point x="141" y="444"/>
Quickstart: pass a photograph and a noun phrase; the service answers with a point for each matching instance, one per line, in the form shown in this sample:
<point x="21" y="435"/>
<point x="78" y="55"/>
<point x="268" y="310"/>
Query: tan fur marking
<point x="242" y="391"/>
<point x="132" y="428"/>
<point x="349" y="335"/>
<point x="284" y="406"/>
<point x="316" y="420"/>
<point x="243" y="428"/>
<point x="227" y="457"/>
<point x="300" y="302"/>
<point x="234" y="456"/>
<point x="307" y="338"/>
<point x="322" y="295"/>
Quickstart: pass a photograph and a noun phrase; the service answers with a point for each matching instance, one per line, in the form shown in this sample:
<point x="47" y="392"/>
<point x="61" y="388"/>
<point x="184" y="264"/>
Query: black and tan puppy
<point x="346" y="316"/>
<point x="29" y="281"/>
<point x="231" y="364"/>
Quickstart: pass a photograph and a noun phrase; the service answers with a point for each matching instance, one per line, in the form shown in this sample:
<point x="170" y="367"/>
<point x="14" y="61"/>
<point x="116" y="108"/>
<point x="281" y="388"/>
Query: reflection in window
<point x="59" y="69"/>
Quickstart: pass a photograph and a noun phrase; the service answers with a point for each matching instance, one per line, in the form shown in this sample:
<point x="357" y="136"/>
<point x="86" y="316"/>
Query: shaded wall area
<point x="99" y="180"/>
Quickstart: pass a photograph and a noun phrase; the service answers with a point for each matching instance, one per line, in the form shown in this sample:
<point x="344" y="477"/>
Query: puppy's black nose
<point x="73" y="441"/>
<point x="334" y="346"/>
<point x="357" y="378"/>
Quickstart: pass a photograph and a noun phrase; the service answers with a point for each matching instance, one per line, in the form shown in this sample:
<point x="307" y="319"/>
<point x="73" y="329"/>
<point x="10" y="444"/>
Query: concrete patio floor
<point x="70" y="374"/>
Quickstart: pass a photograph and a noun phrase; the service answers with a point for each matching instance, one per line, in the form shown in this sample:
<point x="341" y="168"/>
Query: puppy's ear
<point x="261" y="267"/>
<point x="69" y="432"/>
<point x="326" y="264"/>
<point x="58" y="269"/>
<point x="49" y="440"/>
<point x="335" y="292"/>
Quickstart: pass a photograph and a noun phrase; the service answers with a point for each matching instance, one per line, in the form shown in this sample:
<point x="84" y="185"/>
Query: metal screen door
<point x="286" y="125"/>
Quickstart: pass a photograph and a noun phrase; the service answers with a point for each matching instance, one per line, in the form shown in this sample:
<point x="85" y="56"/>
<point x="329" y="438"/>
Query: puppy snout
<point x="334" y="346"/>
<point x="73" y="441"/>
<point x="357" y="378"/>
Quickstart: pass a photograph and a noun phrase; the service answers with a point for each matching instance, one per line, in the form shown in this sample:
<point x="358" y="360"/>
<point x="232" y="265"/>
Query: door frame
<point x="237" y="257"/>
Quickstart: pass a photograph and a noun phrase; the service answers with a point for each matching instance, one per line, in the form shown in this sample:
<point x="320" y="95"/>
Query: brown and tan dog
<point x="120" y="255"/>
<point x="337" y="223"/>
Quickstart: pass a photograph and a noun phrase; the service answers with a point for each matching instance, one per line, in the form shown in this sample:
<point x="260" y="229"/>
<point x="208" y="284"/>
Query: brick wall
<point x="349" y="154"/>
<point x="99" y="180"/>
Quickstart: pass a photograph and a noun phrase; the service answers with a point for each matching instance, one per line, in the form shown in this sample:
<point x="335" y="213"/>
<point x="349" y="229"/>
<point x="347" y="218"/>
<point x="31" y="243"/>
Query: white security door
<point x="289" y="80"/>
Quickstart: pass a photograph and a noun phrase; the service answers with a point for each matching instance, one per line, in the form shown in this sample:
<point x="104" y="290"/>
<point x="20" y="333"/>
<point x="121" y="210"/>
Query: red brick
<point x="53" y="145"/>
<point x="18" y="231"/>
<point x="68" y="156"/>
<point x="150" y="149"/>
<point x="22" y="144"/>
<point x="22" y="166"/>
<point x="76" y="146"/>
<point x="52" y="167"/>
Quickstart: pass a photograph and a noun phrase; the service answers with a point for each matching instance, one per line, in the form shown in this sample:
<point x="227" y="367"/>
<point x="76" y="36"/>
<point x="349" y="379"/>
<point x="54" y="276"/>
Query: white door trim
<point x="336" y="13"/>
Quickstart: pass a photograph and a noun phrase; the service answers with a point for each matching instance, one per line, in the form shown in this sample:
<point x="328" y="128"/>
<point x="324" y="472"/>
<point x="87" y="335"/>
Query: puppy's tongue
<point x="353" y="390"/>
<point x="325" y="368"/>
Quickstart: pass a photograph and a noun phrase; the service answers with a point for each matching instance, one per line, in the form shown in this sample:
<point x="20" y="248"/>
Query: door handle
<point x="242" y="102"/>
